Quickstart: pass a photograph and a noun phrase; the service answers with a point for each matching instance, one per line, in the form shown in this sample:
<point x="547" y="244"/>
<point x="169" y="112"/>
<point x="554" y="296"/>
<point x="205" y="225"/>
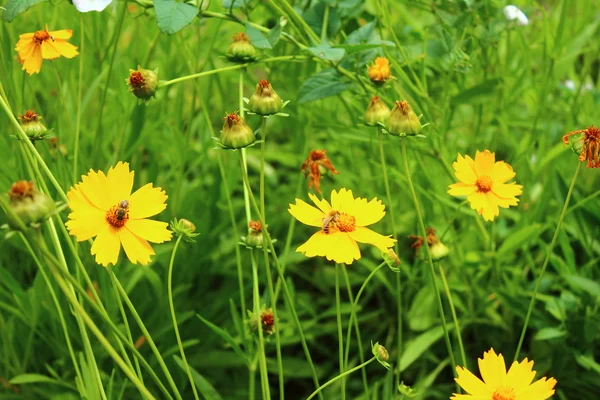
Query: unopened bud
<point x="143" y="83"/>
<point x="392" y="260"/>
<point x="28" y="204"/>
<point x="403" y="120"/>
<point x="265" y="101"/>
<point x="381" y="354"/>
<point x="438" y="251"/>
<point x="241" y="50"/>
<point x="255" y="235"/>
<point x="31" y="122"/>
<point x="377" y="111"/>
<point x="236" y="133"/>
<point x="184" y="228"/>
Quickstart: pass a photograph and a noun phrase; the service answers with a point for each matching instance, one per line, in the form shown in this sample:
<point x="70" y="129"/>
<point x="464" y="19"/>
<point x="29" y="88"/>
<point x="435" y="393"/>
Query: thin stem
<point x="454" y="317"/>
<point x="338" y="313"/>
<point x="318" y="391"/>
<point x="79" y="98"/>
<point x="262" y="358"/>
<point x="547" y="259"/>
<point x="243" y="151"/>
<point x="429" y="259"/>
<point x="174" y="317"/>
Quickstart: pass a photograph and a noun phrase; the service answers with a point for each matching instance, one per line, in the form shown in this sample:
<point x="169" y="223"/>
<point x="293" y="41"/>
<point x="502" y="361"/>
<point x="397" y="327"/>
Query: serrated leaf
<point x="172" y="16"/>
<point x="323" y="84"/>
<point x="257" y="38"/>
<point x="16" y="7"/>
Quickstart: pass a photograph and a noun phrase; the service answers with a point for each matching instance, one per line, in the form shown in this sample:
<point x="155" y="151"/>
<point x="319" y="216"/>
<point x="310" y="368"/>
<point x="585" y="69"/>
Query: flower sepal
<point x="221" y="146"/>
<point x="277" y="114"/>
<point x="392" y="260"/>
<point x="407" y="390"/>
<point x="184" y="228"/>
<point x="381" y="354"/>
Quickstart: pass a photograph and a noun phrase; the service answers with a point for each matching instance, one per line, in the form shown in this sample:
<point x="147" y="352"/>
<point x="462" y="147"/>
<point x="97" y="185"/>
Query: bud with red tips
<point x="255" y="234"/>
<point x="143" y="83"/>
<point x="29" y="205"/>
<point x="241" y="50"/>
<point x="377" y="112"/>
<point x="265" y="101"/>
<point x="236" y="133"/>
<point x="31" y="122"/>
<point x="403" y="121"/>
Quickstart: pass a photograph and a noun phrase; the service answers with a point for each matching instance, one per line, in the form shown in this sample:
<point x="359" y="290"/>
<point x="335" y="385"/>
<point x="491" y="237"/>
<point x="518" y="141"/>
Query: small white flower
<point x="588" y="86"/>
<point x="91" y="5"/>
<point x="569" y="84"/>
<point x="513" y="13"/>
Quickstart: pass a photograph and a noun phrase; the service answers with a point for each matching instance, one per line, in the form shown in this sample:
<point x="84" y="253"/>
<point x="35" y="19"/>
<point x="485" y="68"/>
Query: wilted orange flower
<point x="587" y="145"/>
<point x="316" y="160"/>
<point x="267" y="321"/>
<point x="419" y="241"/>
<point x="34" y="48"/>
<point x="483" y="181"/>
<point x="380" y="71"/>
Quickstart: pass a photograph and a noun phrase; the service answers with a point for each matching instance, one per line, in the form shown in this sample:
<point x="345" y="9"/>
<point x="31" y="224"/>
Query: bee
<point x="52" y="37"/>
<point x="122" y="211"/>
<point x="330" y="221"/>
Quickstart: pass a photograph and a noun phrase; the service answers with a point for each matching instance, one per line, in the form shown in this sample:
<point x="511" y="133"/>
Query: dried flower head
<point x="380" y="71"/>
<point x="437" y="249"/>
<point x="586" y="143"/>
<point x="316" y="164"/>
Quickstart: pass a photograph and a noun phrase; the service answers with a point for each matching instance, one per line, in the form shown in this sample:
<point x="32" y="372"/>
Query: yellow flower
<point x="103" y="207"/>
<point x="342" y="224"/>
<point x="501" y="385"/>
<point x="380" y="71"/>
<point x="34" y="48"/>
<point x="483" y="181"/>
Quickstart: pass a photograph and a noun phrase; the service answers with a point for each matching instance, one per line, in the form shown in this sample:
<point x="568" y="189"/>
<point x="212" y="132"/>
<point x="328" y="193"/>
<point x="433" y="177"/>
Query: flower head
<point x="265" y="101"/>
<point x="437" y="249"/>
<point x="91" y="5"/>
<point x="29" y="205"/>
<point x="403" y="120"/>
<point x="143" y="83"/>
<point x="31" y="122"/>
<point x="103" y="207"/>
<point x="377" y="111"/>
<point x="316" y="164"/>
<point x="34" y="48"/>
<point x="514" y="13"/>
<point x="586" y="143"/>
<point x="342" y="224"/>
<point x="236" y="133"/>
<point x="380" y="72"/>
<point x="498" y="384"/>
<point x="483" y="181"/>
<point x="255" y="234"/>
<point x="241" y="50"/>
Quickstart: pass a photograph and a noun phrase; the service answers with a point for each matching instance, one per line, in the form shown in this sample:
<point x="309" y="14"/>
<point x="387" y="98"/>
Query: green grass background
<point x="480" y="82"/>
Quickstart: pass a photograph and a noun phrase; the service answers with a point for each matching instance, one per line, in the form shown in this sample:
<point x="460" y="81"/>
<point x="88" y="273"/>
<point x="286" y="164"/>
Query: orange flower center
<point x="29" y="116"/>
<point x="504" y="393"/>
<point x="484" y="184"/>
<point x="136" y="80"/>
<point x="41" y="36"/>
<point x="346" y="223"/>
<point x="118" y="214"/>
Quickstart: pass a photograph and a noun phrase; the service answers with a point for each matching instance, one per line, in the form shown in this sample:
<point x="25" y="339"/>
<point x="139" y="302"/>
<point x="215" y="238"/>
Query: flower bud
<point x="267" y="321"/>
<point x="381" y="354"/>
<point x="241" y="50"/>
<point x="255" y="235"/>
<point x="380" y="71"/>
<point x="265" y="101"/>
<point x="143" y="83"/>
<point x="392" y="260"/>
<point x="438" y="250"/>
<point x="28" y="204"/>
<point x="403" y="120"/>
<point x="32" y="125"/>
<point x="377" y="111"/>
<point x="184" y="228"/>
<point x="236" y="133"/>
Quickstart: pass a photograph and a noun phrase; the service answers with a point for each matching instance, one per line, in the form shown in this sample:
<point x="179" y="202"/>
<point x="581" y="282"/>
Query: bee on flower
<point x="483" y="181"/>
<point x="102" y="206"/>
<point x="380" y="71"/>
<point x="316" y="164"/>
<point x="343" y="224"/>
<point x="586" y="143"/>
<point x="34" y="48"/>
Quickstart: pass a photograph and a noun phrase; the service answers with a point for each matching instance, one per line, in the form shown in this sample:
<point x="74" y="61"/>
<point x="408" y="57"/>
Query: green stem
<point x="338" y="313"/>
<point x="145" y="332"/>
<point x="318" y="391"/>
<point x="429" y="259"/>
<point x="174" y="317"/>
<point x="79" y="99"/>
<point x="547" y="259"/>
<point x="262" y="358"/>
<point x="286" y="291"/>
<point x="243" y="151"/>
<point x="454" y="317"/>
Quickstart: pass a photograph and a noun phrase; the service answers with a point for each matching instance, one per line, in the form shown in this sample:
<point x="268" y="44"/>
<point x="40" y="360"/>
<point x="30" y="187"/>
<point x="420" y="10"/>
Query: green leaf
<point x="16" y="7"/>
<point x="274" y="34"/>
<point x="585" y="284"/>
<point x="173" y="16"/>
<point x="518" y="239"/>
<point x="257" y="38"/>
<point x="207" y="390"/>
<point x="479" y="93"/>
<point x="225" y="336"/>
<point x="325" y="52"/>
<point x="419" y="345"/>
<point x="549" y="333"/>
<point x="229" y="4"/>
<point x="24" y="379"/>
<point x="323" y="84"/>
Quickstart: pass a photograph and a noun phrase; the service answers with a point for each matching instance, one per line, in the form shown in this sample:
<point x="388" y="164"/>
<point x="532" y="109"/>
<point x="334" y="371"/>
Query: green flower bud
<point x="376" y="112"/>
<point x="241" y="50"/>
<point x="32" y="125"/>
<point x="438" y="251"/>
<point x="403" y="120"/>
<point x="255" y="235"/>
<point x="29" y="205"/>
<point x="143" y="83"/>
<point x="184" y="228"/>
<point x="236" y="133"/>
<point x="265" y="101"/>
<point x="381" y="354"/>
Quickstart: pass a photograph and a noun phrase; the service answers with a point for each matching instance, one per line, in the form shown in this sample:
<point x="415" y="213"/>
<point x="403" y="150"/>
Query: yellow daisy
<point x="501" y="385"/>
<point x="342" y="225"/>
<point x="34" y="48"/>
<point x="483" y="181"/>
<point x="103" y="207"/>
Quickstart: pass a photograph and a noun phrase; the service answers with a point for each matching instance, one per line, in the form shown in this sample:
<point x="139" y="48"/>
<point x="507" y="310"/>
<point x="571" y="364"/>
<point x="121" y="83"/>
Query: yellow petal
<point x="520" y="375"/>
<point x="493" y="369"/>
<point x="484" y="161"/>
<point x="502" y="172"/>
<point x="26" y="36"/>
<point x="24" y="43"/>
<point x="306" y="213"/>
<point x="49" y="51"/>
<point x="65" y="48"/>
<point x="146" y="202"/>
<point x="365" y="235"/>
<point x="540" y="390"/>
<point x="338" y="247"/>
<point x="138" y="250"/>
<point x="343" y="201"/>
<point x="461" y="189"/>
<point x="120" y="182"/>
<point x="33" y="62"/>
<point x="485" y="204"/>
<point x="507" y="190"/>
<point x="464" y="170"/>
<point x="468" y="397"/>
<point x="471" y="384"/>
<point x="107" y="246"/>
<point x="322" y="204"/>
<point x="77" y="200"/>
<point x="86" y="223"/>
<point x="367" y="213"/>
<point x="62" y="34"/>
<point x="95" y="187"/>
<point x="152" y="231"/>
